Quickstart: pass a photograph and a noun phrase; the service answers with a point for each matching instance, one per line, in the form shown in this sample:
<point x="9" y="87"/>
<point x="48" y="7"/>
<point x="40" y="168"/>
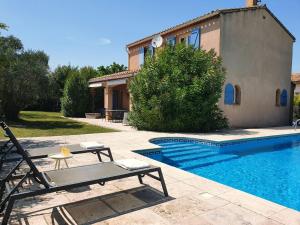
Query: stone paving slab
<point x="194" y="199"/>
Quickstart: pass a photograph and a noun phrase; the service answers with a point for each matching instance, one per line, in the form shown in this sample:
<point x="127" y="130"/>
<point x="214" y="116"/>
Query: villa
<point x="256" y="49"/>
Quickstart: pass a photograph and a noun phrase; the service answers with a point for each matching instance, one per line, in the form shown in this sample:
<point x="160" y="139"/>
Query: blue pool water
<point x="266" y="167"/>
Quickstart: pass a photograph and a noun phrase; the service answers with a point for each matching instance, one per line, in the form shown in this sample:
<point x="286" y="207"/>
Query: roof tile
<point x="296" y="77"/>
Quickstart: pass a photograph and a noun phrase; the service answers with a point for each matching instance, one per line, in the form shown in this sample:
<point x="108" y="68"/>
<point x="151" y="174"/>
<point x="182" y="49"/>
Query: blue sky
<point x="95" y="32"/>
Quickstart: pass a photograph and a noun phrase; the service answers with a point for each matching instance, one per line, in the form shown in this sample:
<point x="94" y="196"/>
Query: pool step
<point x="201" y="162"/>
<point x="189" y="158"/>
<point x="175" y="150"/>
<point x="181" y="145"/>
<point x="187" y="153"/>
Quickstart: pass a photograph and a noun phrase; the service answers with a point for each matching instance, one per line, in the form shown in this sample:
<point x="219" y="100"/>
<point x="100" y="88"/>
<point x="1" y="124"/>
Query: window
<point x="182" y="40"/>
<point x="277" y="97"/>
<point x="283" y="98"/>
<point x="194" y="38"/>
<point x="151" y="50"/>
<point x="141" y="56"/>
<point x="171" y="40"/>
<point x="237" y="95"/>
<point x="229" y="94"/>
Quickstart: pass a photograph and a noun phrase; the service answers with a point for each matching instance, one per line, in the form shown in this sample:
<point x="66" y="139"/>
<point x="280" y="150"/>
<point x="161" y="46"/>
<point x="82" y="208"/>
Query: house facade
<point x="256" y="49"/>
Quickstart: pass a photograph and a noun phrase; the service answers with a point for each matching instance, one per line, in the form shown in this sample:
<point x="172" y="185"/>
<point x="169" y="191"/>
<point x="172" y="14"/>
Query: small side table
<point x="58" y="157"/>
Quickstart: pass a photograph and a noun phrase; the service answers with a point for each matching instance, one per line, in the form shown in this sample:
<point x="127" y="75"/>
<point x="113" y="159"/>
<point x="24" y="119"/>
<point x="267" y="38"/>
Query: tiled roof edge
<point x="114" y="76"/>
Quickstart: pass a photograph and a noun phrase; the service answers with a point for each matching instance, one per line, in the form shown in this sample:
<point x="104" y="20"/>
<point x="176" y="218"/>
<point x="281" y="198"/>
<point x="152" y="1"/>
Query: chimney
<point x="251" y="3"/>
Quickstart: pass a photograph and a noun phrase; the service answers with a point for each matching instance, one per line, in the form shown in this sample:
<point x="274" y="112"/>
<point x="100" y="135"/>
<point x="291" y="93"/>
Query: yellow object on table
<point x="64" y="154"/>
<point x="65" y="151"/>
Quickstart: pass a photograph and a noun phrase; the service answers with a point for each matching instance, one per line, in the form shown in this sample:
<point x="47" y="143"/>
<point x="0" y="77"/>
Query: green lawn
<point x="38" y="124"/>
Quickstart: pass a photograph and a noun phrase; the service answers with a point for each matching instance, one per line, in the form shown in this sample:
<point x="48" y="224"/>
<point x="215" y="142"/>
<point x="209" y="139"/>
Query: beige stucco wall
<point x="257" y="54"/>
<point x="210" y="35"/>
<point x="133" y="58"/>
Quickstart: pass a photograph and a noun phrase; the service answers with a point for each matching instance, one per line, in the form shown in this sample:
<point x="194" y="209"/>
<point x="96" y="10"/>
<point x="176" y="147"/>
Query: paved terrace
<point x="193" y="199"/>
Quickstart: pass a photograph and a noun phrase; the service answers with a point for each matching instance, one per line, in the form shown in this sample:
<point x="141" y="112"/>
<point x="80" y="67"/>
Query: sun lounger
<point x="38" y="153"/>
<point x="58" y="180"/>
<point x="44" y="152"/>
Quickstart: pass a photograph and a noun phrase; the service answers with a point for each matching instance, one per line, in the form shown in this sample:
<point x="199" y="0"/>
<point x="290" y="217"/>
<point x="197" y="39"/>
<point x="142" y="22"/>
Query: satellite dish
<point x="157" y="41"/>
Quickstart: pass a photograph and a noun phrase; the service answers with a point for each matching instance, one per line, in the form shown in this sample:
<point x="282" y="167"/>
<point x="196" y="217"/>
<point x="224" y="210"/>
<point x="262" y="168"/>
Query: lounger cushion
<point x="91" y="145"/>
<point x="132" y="164"/>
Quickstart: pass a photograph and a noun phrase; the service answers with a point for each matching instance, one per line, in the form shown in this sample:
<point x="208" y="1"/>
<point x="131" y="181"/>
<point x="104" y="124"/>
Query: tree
<point x="3" y="26"/>
<point x="24" y="81"/>
<point x="178" y="90"/>
<point x="113" y="68"/>
<point x="23" y="76"/>
<point x="10" y="48"/>
<point x="60" y="75"/>
<point x="88" y="72"/>
<point x="75" y="100"/>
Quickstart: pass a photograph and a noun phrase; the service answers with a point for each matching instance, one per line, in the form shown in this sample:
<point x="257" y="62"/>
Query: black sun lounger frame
<point x="48" y="179"/>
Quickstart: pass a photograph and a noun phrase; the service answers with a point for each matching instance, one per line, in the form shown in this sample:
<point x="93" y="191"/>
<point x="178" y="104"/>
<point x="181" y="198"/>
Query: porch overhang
<point x="95" y="85"/>
<point x="296" y="78"/>
<point x="112" y="79"/>
<point x="116" y="82"/>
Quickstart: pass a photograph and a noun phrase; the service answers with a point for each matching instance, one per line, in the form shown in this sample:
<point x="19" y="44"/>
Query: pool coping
<point x="233" y="141"/>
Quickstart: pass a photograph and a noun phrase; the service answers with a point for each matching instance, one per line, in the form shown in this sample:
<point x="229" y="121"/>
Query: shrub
<point x="178" y="90"/>
<point x="297" y="100"/>
<point x="75" y="98"/>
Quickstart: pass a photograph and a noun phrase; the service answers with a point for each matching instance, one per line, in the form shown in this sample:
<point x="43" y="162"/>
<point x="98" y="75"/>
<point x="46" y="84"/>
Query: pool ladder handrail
<point x="295" y="124"/>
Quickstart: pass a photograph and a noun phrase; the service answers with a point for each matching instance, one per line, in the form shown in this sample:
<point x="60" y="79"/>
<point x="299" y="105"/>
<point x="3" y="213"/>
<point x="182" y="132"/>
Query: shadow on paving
<point x="101" y="208"/>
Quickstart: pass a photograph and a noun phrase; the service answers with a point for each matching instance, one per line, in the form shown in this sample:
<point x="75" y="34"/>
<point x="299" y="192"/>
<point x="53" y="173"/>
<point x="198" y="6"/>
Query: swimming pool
<point x="266" y="167"/>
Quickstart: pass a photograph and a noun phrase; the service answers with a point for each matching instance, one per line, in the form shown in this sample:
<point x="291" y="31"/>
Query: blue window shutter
<point x="283" y="98"/>
<point x="194" y="38"/>
<point x="171" y="40"/>
<point x="229" y="95"/>
<point x="198" y="42"/>
<point x="141" y="56"/>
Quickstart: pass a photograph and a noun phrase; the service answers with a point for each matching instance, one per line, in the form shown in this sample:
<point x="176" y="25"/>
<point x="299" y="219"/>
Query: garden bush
<point x="178" y="90"/>
<point x="75" y="100"/>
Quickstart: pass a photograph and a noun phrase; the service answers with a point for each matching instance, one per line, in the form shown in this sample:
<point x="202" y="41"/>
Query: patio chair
<point x="125" y="119"/>
<point x="102" y="113"/>
<point x="59" y="180"/>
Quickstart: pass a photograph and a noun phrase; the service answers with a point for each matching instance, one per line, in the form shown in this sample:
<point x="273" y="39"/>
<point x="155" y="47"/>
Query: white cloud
<point x="104" y="41"/>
